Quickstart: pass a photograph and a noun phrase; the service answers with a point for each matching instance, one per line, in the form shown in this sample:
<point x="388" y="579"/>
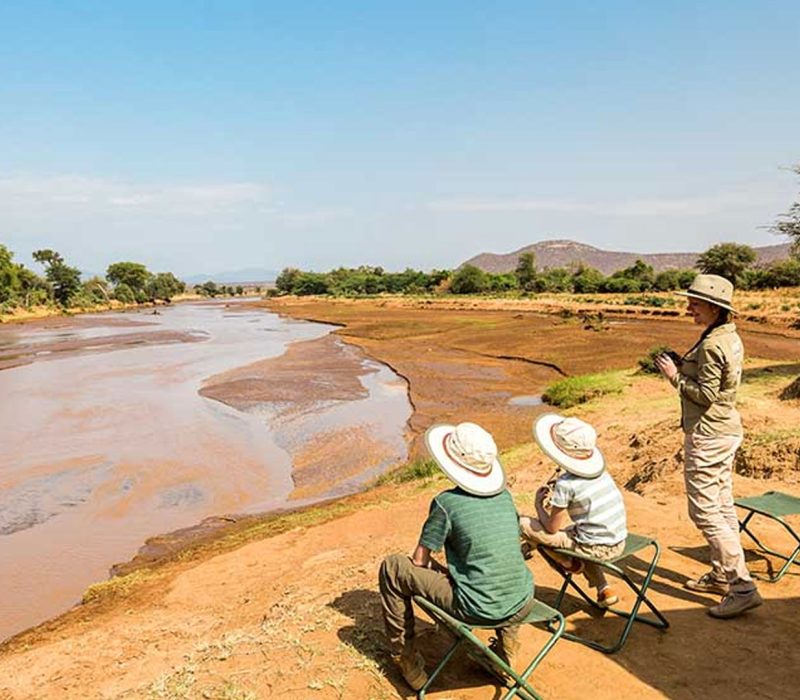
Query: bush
<point x="577" y="390"/>
<point x="647" y="300"/>
<point x="469" y="280"/>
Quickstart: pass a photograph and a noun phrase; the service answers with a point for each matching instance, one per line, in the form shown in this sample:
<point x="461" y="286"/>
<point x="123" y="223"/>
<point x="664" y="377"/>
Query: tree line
<point x="61" y="284"/>
<point x="732" y="260"/>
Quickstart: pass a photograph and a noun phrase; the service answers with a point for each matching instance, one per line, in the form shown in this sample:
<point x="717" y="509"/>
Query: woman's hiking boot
<point x="735" y="603"/>
<point x="708" y="583"/>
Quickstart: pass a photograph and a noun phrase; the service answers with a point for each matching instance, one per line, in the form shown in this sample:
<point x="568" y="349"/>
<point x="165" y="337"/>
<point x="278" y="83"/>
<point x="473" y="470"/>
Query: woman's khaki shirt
<point x="707" y="382"/>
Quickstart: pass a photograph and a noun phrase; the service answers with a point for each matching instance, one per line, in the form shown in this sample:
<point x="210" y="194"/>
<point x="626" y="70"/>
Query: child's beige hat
<point x="571" y="443"/>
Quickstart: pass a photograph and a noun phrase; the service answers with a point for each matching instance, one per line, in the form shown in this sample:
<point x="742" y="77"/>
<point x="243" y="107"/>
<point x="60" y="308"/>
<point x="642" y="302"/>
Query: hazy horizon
<point x="266" y="135"/>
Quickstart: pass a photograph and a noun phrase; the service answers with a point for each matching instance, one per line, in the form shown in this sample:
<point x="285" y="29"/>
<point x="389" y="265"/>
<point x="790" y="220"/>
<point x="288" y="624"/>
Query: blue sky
<point x="208" y="136"/>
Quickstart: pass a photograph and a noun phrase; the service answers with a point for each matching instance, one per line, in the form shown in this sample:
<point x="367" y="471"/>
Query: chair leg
<point x="788" y="561"/>
<point x="526" y="691"/>
<point x="632" y="616"/>
<point x="452" y="650"/>
<point x="521" y="687"/>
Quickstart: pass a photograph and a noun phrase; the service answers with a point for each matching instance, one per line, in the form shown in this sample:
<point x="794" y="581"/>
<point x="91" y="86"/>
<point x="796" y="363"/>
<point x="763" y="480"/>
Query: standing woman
<point x="707" y="379"/>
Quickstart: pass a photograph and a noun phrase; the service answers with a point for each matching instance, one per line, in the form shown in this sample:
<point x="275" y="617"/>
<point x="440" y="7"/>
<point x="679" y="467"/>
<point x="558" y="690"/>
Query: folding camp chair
<point x="462" y="632"/>
<point x="774" y="505"/>
<point x="633" y="544"/>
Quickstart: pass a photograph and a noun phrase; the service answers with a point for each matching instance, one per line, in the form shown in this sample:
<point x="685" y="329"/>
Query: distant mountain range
<point x="563" y="253"/>
<point x="243" y="276"/>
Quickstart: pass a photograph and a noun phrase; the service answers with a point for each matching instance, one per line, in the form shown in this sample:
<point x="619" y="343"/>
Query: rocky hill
<point x="563" y="253"/>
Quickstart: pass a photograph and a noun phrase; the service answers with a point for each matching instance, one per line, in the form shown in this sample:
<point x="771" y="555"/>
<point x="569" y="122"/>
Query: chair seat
<point x="773" y="503"/>
<point x="539" y="613"/>
<point x="633" y="544"/>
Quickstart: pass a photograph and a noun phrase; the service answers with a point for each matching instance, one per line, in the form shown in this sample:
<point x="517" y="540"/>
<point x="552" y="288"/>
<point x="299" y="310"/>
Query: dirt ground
<point x="297" y="615"/>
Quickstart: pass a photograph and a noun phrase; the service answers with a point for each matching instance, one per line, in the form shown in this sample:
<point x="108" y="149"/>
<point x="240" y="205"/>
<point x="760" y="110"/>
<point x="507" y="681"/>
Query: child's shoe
<point x="606" y="597"/>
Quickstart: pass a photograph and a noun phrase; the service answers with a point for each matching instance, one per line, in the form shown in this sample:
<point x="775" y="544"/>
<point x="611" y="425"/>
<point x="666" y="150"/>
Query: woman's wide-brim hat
<point x="712" y="288"/>
<point x="467" y="454"/>
<point x="571" y="443"/>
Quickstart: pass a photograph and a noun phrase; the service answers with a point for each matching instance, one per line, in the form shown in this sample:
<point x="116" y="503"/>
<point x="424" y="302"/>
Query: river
<point x="105" y="440"/>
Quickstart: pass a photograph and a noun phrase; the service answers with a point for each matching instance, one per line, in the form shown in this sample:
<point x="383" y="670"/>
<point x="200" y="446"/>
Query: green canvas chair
<point x="463" y="636"/>
<point x="774" y="505"/>
<point x="633" y="544"/>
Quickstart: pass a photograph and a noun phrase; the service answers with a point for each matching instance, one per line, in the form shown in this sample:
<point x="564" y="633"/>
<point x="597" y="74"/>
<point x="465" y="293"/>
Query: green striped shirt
<point x="480" y="536"/>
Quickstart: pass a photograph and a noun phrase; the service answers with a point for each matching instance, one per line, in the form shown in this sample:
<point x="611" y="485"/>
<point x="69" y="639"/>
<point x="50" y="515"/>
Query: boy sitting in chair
<point x="486" y="579"/>
<point x="583" y="492"/>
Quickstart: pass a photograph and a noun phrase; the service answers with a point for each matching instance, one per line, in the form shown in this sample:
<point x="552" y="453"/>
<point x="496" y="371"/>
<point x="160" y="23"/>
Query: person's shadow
<point x="366" y="635"/>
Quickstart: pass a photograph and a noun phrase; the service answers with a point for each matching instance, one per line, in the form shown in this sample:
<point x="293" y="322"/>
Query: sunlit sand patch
<point x="330" y="458"/>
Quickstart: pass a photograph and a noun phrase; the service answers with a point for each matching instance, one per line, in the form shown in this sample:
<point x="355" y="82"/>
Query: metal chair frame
<point x="787" y="505"/>
<point x="463" y="635"/>
<point x="633" y="544"/>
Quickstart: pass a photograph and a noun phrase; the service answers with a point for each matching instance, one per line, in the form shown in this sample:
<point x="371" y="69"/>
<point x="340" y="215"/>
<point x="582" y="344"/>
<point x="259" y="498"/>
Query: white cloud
<point x="747" y="197"/>
<point x="24" y="192"/>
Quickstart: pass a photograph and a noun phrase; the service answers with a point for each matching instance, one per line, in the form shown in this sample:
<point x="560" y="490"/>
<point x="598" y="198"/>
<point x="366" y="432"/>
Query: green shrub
<point x="413" y="471"/>
<point x="577" y="390"/>
<point x="647" y="300"/>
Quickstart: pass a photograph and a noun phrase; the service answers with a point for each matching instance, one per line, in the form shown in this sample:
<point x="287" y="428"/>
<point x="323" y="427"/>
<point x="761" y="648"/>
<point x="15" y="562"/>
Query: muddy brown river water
<point x="105" y="439"/>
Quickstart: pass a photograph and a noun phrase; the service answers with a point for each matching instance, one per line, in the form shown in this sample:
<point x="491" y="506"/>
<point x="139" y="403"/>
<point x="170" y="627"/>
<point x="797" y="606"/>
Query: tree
<point x="9" y="275"/>
<point x="639" y="277"/>
<point x="64" y="280"/>
<point x="164" y="286"/>
<point x="287" y="279"/>
<point x="525" y="271"/>
<point x="32" y="288"/>
<point x="788" y="224"/>
<point x="135" y="275"/>
<point x="95" y="290"/>
<point x="553" y="279"/>
<point x="587" y="280"/>
<point x="123" y="293"/>
<point x="469" y="280"/>
<point x="729" y="260"/>
<point x="667" y="280"/>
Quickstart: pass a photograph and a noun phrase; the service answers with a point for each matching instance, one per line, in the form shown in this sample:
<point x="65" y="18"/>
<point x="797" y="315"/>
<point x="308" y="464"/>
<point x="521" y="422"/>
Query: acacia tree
<point x="788" y="224"/>
<point x="64" y="280"/>
<point x="133" y="274"/>
<point x="729" y="260"/>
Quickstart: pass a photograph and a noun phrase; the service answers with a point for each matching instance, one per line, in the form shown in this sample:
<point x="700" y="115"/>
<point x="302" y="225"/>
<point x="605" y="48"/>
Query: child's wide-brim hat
<point x="570" y="443"/>
<point x="467" y="454"/>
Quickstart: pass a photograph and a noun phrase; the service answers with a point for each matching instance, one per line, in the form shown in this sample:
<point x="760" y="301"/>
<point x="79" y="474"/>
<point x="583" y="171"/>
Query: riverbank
<point x="107" y="441"/>
<point x="288" y="606"/>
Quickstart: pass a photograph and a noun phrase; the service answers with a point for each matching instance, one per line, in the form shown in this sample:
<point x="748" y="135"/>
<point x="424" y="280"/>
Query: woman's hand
<point x="666" y="366"/>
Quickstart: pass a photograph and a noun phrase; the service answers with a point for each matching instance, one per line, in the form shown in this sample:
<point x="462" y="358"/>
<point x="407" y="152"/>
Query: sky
<point x="207" y="136"/>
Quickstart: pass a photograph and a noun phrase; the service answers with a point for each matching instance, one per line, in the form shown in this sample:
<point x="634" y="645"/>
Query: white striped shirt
<point x="595" y="506"/>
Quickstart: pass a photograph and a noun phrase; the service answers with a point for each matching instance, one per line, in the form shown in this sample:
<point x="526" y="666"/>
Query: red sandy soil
<point x="297" y="614"/>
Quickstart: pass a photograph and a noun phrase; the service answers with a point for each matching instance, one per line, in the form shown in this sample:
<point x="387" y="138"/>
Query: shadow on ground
<point x="367" y="636"/>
